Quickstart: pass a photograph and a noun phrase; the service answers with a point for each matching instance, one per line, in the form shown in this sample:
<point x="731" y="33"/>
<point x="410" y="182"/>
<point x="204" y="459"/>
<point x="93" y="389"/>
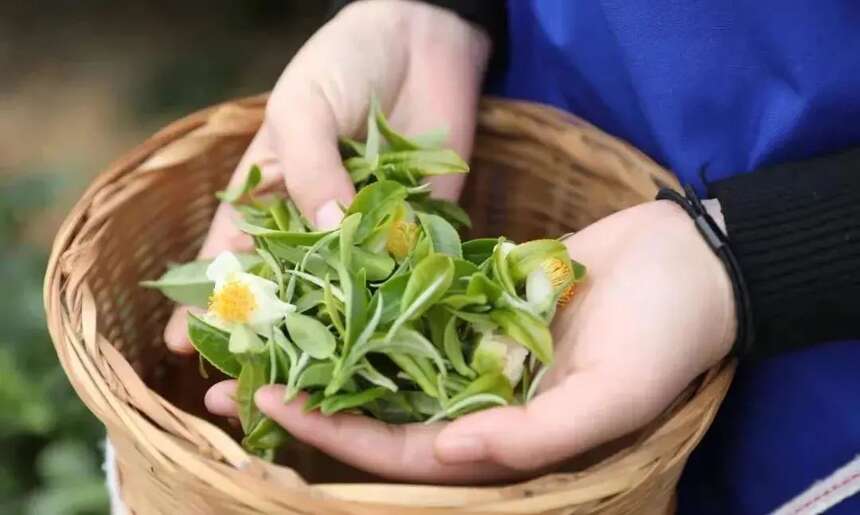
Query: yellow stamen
<point x="560" y="274"/>
<point x="401" y="238"/>
<point x="234" y="302"/>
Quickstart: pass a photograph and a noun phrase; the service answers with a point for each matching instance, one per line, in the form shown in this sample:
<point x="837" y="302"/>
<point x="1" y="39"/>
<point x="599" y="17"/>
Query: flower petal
<point x="539" y="289"/>
<point x="222" y="267"/>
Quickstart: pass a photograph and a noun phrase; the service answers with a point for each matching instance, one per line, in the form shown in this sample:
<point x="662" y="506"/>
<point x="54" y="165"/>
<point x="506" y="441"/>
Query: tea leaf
<point x="405" y="341"/>
<point x="377" y="266"/>
<point x="469" y="404"/>
<point x="310" y="300"/>
<point x="265" y="437"/>
<point x="280" y="215"/>
<point x="275" y="267"/>
<point x="375" y="202"/>
<point x="408" y="364"/>
<point x="349" y="145"/>
<point x="390" y="294"/>
<point x="373" y="376"/>
<point x="347" y="231"/>
<point x="332" y="308"/>
<point x="494" y="383"/>
<point x="501" y="270"/>
<point x="533" y="388"/>
<point x="479" y="250"/>
<point x="462" y="300"/>
<point x="355" y="304"/>
<point x="358" y="168"/>
<point x="454" y="349"/>
<point x="442" y="235"/>
<point x="448" y="210"/>
<point x="428" y="283"/>
<point x="527" y="329"/>
<point x="213" y="344"/>
<point x="237" y="191"/>
<point x="188" y="285"/>
<point x="347" y="401"/>
<point x="425" y="162"/>
<point x="254" y="375"/>
<point x="284" y="237"/>
<point x="317" y="374"/>
<point x="311" y="335"/>
<point x="480" y="284"/>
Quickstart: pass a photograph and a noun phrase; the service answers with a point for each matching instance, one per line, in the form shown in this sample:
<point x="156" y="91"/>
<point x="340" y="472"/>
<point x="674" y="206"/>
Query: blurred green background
<point x="80" y="83"/>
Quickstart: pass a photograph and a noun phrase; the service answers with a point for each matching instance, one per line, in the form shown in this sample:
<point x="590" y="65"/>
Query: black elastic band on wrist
<point x="718" y="242"/>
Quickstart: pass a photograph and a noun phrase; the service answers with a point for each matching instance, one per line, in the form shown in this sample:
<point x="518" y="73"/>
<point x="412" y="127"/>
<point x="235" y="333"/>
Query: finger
<point x="219" y="399"/>
<point x="303" y="130"/>
<point x="404" y="452"/>
<point x="587" y="409"/>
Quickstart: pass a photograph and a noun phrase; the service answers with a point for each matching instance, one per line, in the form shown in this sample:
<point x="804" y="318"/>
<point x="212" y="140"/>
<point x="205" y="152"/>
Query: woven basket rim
<point x="100" y="374"/>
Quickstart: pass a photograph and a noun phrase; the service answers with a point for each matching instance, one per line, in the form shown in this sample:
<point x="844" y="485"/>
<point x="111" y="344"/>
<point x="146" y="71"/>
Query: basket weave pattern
<point x="536" y="172"/>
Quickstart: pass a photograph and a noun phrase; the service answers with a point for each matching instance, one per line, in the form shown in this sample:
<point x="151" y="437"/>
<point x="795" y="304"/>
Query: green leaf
<point x="275" y="267"/>
<point x="347" y="401"/>
<point x="310" y="300"/>
<point x="283" y="237"/>
<point x="213" y="344"/>
<point x="394" y="139"/>
<point x="427" y="284"/>
<point x="468" y="405"/>
<point x="462" y="300"/>
<point x="265" y="437"/>
<point x="479" y="250"/>
<point x="405" y="341"/>
<point x="526" y="257"/>
<point x="527" y="329"/>
<point x="358" y="168"/>
<point x="423" y="163"/>
<point x="434" y="138"/>
<point x="501" y="270"/>
<point x="332" y="308"/>
<point x="375" y="202"/>
<point x="281" y="215"/>
<point x="316" y="374"/>
<point x="409" y="365"/>
<point x="443" y="237"/>
<point x="373" y="376"/>
<point x="347" y="231"/>
<point x="494" y="383"/>
<point x="377" y="266"/>
<point x="355" y="304"/>
<point x="351" y="146"/>
<point x="188" y="285"/>
<point x="254" y="375"/>
<point x="454" y="349"/>
<point x="447" y="210"/>
<point x="310" y="335"/>
<point x="237" y="191"/>
<point x="390" y="294"/>
<point x="480" y="284"/>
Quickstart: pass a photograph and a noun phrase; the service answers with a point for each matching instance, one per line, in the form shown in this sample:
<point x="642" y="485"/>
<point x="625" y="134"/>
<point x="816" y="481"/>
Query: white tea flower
<point x="243" y="298"/>
<point x="500" y="353"/>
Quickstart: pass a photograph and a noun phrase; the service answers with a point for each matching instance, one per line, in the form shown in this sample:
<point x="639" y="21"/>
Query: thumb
<point x="303" y="131"/>
<point x="587" y="409"/>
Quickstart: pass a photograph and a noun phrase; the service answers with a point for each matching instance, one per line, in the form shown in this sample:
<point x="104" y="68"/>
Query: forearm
<point x="795" y="230"/>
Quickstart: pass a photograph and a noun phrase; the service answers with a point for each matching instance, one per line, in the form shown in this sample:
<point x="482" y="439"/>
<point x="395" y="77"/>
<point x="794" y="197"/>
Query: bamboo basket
<point x="536" y="172"/>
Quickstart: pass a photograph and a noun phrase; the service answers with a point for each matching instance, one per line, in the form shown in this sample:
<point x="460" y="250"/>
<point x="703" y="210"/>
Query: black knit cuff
<point x="490" y="15"/>
<point x="795" y="230"/>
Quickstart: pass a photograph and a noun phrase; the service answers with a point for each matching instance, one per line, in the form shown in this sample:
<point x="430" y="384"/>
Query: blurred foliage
<point x="50" y="441"/>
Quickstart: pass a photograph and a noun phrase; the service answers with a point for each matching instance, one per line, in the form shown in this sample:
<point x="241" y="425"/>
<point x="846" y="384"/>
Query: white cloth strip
<point x="826" y="493"/>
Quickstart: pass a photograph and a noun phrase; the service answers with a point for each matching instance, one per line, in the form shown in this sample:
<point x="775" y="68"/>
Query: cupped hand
<point x="424" y="64"/>
<point x="655" y="312"/>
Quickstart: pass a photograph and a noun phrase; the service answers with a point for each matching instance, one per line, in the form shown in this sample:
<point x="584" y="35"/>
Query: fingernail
<point x="329" y="215"/>
<point x="459" y="449"/>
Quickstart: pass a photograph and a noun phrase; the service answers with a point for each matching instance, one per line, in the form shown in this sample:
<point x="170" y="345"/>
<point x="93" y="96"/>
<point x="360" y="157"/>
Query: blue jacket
<point x="729" y="85"/>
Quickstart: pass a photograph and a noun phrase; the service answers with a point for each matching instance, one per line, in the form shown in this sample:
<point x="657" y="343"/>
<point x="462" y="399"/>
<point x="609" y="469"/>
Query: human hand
<point x="424" y="64"/>
<point x="655" y="311"/>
